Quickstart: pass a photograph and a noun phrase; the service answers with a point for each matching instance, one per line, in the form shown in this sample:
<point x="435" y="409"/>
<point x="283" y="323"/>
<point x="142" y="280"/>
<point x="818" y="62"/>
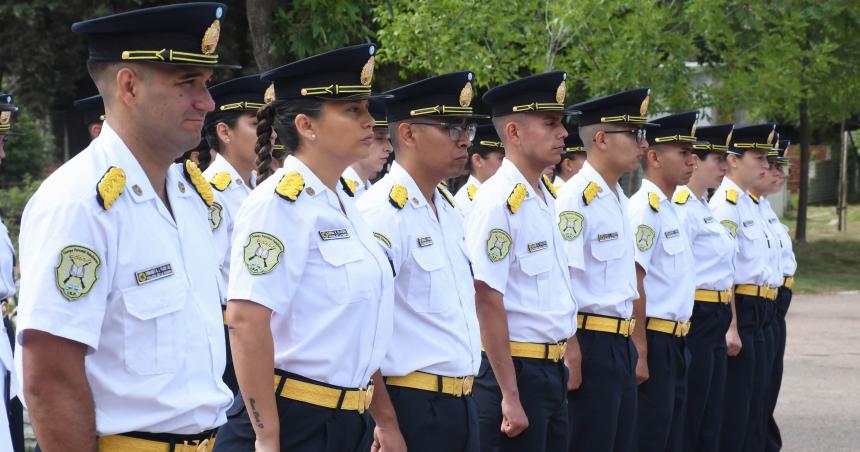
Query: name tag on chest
<point x="672" y="234"/>
<point x="153" y="274"/>
<point x="537" y="246"/>
<point x="334" y="234"/>
<point x="425" y="241"/>
<point x="607" y="237"/>
<point x="709" y="220"/>
<point x="748" y="223"/>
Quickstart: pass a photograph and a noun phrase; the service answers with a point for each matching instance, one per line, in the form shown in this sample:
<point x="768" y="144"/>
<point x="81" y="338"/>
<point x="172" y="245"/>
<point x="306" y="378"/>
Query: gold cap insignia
<point x="643" y="109"/>
<point x="770" y="137"/>
<point x="367" y="71"/>
<point x="5" y="117"/>
<point x="466" y="95"/>
<point x="729" y="138"/>
<point x="270" y="94"/>
<point x="561" y="92"/>
<point x="210" y="38"/>
<point x="693" y="130"/>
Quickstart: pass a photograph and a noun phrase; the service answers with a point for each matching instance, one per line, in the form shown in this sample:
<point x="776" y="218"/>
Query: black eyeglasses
<point x="455" y="131"/>
<point x="638" y="134"/>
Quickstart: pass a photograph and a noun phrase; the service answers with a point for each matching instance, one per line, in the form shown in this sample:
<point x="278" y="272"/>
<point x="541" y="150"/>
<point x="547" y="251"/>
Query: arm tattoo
<point x="255" y="412"/>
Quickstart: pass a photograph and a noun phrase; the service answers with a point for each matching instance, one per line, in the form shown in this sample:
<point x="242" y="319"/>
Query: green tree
<point x="27" y="152"/>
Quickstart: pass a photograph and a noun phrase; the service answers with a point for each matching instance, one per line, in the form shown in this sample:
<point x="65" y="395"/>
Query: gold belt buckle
<point x="459" y="384"/>
<point x="203" y="446"/>
<point x="631" y="325"/>
<point x="562" y="348"/>
<point x="468" y="383"/>
<point x="685" y="328"/>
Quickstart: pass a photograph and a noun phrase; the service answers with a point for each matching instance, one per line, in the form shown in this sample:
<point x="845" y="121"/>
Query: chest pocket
<point x="674" y="248"/>
<point x="427" y="292"/>
<point x="607" y="253"/>
<point x="344" y="273"/>
<point x="537" y="268"/>
<point x="754" y="241"/>
<point x="153" y="327"/>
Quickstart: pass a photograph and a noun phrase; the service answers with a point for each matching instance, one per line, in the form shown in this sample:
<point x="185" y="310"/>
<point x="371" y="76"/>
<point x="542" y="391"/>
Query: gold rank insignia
<point x="729" y="138"/>
<point x="291" y="186"/>
<point x="466" y="95"/>
<point x="221" y="181"/>
<point x="269" y="95"/>
<point x="215" y="215"/>
<point x="644" y="238"/>
<point x="195" y="176"/>
<point x="210" y="38"/>
<point x="550" y="187"/>
<point x="383" y="239"/>
<point x="498" y="245"/>
<point x="110" y="187"/>
<point x="732" y="196"/>
<point x="445" y="194"/>
<point x="5" y="117"/>
<point x="693" y="131"/>
<point x="262" y="253"/>
<point x="770" y="136"/>
<point x="654" y="201"/>
<point x="731" y="226"/>
<point x="367" y="71"/>
<point x="398" y="196"/>
<point x="76" y="272"/>
<point x="561" y="92"/>
<point x="681" y="197"/>
<point x="570" y="224"/>
<point x="590" y="192"/>
<point x="348" y="185"/>
<point x="643" y="108"/>
<point x="471" y="189"/>
<point x="516" y="198"/>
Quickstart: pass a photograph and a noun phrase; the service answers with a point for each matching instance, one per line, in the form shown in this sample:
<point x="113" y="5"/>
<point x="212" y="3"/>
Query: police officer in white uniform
<point x="310" y="290"/>
<point x="591" y="211"/>
<point x="663" y="259"/>
<point x="485" y="158"/>
<point x="711" y="326"/>
<point x="119" y="326"/>
<point x="356" y="178"/>
<point x="435" y="349"/>
<point x="572" y="159"/>
<point x="524" y="301"/>
<point x="737" y="212"/>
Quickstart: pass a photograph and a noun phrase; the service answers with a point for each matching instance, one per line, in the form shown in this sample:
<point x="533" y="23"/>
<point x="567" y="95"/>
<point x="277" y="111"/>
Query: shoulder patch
<point x="731" y="226"/>
<point x="398" y="196"/>
<point x="590" y="192"/>
<point x="516" y="198"/>
<point x="570" y="224"/>
<point x="471" y="189"/>
<point x="681" y="197"/>
<point x="732" y="196"/>
<point x="262" y="253"/>
<point x="383" y="239"/>
<point x="195" y="176"/>
<point x="76" y="272"/>
<point x="445" y="194"/>
<point x="550" y="187"/>
<point x="110" y="187"/>
<point x="221" y="181"/>
<point x="291" y="186"/>
<point x="498" y="244"/>
<point x="644" y="237"/>
<point x="348" y="186"/>
<point x="654" y="201"/>
<point x="215" y="215"/>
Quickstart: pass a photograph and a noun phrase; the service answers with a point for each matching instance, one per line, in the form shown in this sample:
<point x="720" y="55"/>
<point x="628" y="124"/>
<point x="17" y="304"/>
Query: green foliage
<point x="27" y="154"/>
<point x="308" y="27"/>
<point x="12" y="203"/>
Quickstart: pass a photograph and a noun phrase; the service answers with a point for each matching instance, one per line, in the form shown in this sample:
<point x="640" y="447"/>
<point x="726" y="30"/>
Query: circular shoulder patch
<point x="215" y="215"/>
<point x="498" y="245"/>
<point x="76" y="272"/>
<point x="570" y="224"/>
<point x="644" y="237"/>
<point x="262" y="253"/>
<point x="731" y="226"/>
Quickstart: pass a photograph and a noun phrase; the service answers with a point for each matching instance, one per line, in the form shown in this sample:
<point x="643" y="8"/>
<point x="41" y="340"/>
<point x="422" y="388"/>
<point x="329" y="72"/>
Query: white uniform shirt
<point x="788" y="261"/>
<point x="774" y="244"/>
<point x="434" y="295"/>
<point x="598" y="244"/>
<point x="133" y="283"/>
<point x="713" y="247"/>
<point x="7" y="263"/>
<point x="323" y="275"/>
<point x="7" y="289"/>
<point x="520" y="255"/>
<point x="223" y="212"/>
<point x="663" y="251"/>
<point x="463" y="199"/>
<point x="361" y="185"/>
<point x="558" y="182"/>
<point x="742" y="220"/>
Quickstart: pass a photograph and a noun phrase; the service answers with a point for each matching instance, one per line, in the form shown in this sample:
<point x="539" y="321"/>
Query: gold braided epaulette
<point x="441" y="187"/>
<point x="221" y="181"/>
<point x="110" y="187"/>
<point x="471" y="189"/>
<point x="201" y="185"/>
<point x="516" y="198"/>
<point x="654" y="201"/>
<point x="550" y="187"/>
<point x="590" y="192"/>
<point x="349" y="186"/>
<point x="732" y="196"/>
<point x="398" y="196"/>
<point x="681" y="197"/>
<point x="291" y="186"/>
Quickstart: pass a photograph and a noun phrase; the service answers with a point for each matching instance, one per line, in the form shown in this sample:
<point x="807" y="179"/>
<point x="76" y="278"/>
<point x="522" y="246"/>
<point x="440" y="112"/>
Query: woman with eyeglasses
<point x="310" y="291"/>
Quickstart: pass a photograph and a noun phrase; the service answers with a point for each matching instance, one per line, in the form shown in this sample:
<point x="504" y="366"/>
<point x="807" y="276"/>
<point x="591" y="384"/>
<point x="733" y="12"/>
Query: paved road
<point x="819" y="407"/>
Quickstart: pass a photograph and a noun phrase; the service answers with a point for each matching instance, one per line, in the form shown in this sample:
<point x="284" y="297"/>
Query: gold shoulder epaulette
<point x="195" y="176"/>
<point x="518" y="195"/>
<point x="348" y="186"/>
<point x="291" y="186"/>
<point x="445" y="194"/>
<point x="590" y="192"/>
<point x="110" y="186"/>
<point x="221" y="181"/>
<point x="681" y="197"/>
<point x="550" y="187"/>
<point x="753" y="197"/>
<point x="732" y="196"/>
<point x="398" y="196"/>
<point x="654" y="201"/>
<point x="471" y="189"/>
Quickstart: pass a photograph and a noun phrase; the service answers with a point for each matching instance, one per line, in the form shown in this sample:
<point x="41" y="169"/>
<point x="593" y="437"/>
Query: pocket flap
<point x="154" y="299"/>
<point x="537" y="263"/>
<point x="340" y="252"/>
<point x="608" y="250"/>
<point x="428" y="258"/>
<point x="674" y="245"/>
<point x="751" y="232"/>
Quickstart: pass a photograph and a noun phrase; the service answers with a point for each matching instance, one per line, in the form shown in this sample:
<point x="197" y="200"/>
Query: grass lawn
<point x="830" y="260"/>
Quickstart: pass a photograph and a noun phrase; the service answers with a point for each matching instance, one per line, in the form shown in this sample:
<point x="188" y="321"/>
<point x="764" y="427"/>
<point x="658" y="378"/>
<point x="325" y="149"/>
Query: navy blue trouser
<point x="707" y="376"/>
<point x="783" y="300"/>
<point x="542" y="387"/>
<point x="435" y="422"/>
<point x="602" y="412"/>
<point x="662" y="398"/>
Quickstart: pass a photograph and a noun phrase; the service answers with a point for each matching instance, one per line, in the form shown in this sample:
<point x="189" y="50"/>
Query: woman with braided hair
<point x="310" y="291"/>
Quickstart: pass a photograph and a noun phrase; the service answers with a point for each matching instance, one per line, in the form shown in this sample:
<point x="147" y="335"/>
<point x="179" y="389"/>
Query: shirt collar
<point x="592" y="175"/>
<point x="118" y="154"/>
<point x="730" y="184"/>
<point x="221" y="163"/>
<point x="400" y="176"/>
<point x="651" y="187"/>
<point x="313" y="185"/>
<point x="351" y="173"/>
<point x="474" y="181"/>
<point x="514" y="175"/>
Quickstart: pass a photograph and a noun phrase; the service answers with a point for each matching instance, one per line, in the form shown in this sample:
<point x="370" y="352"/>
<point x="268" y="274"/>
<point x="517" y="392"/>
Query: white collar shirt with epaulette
<point x="664" y="253"/>
<point x="320" y="271"/>
<point x="516" y="249"/>
<point x="788" y="262"/>
<point x="355" y="183"/>
<point x="7" y="289"/>
<point x="598" y="244"/>
<point x="104" y="263"/>
<point x="774" y="241"/>
<point x="230" y="190"/>
<point x="713" y="246"/>
<point x="558" y="182"/>
<point x="737" y="212"/>
<point x="434" y="295"/>
<point x="466" y="194"/>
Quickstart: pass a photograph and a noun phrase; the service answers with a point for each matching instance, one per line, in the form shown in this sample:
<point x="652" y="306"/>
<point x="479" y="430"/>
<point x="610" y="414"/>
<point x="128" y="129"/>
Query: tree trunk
<point x="260" y="14"/>
<point x="803" y="195"/>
